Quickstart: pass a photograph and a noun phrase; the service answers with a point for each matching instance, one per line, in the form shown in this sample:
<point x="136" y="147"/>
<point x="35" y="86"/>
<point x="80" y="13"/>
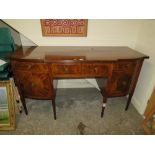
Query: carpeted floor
<point x="78" y="112"/>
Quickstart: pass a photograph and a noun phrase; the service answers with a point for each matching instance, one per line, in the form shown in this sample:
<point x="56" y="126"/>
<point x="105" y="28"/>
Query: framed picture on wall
<point x="7" y="109"/>
<point x="64" y="27"/>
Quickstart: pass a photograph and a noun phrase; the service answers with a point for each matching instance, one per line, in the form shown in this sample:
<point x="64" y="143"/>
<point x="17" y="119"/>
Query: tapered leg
<point x="19" y="107"/>
<point x="23" y="102"/>
<point x="128" y="102"/>
<point x="54" y="107"/>
<point x="24" y="105"/>
<point x="103" y="105"/>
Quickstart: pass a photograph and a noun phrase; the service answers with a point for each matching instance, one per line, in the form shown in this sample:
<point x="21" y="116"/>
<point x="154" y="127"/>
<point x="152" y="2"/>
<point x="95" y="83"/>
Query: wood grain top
<point x="82" y="53"/>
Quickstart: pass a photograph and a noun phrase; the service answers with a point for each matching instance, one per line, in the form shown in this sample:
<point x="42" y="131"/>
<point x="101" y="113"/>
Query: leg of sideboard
<point x="103" y="105"/>
<point x="24" y="105"/>
<point x="23" y="102"/>
<point x="128" y="101"/>
<point x="54" y="107"/>
<point x="134" y="81"/>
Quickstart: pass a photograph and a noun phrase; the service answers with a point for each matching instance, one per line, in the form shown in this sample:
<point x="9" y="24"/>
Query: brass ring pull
<point x="124" y="83"/>
<point x="66" y="69"/>
<point x="95" y="69"/>
<point x="29" y="66"/>
<point x="33" y="85"/>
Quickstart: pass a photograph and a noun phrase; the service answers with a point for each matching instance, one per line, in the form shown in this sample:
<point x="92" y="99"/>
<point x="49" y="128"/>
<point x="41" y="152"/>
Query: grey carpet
<point x="78" y="112"/>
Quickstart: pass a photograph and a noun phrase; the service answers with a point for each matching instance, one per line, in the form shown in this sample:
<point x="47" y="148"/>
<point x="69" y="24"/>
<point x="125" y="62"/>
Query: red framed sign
<point x="64" y="27"/>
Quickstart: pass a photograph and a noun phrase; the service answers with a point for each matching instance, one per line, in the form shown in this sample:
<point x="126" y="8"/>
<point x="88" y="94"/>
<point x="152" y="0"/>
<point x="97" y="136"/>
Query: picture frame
<point x="64" y="27"/>
<point x="7" y="108"/>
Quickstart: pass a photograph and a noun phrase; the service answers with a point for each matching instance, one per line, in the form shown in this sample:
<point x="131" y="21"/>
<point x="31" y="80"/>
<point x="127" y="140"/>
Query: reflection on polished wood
<point x="36" y="70"/>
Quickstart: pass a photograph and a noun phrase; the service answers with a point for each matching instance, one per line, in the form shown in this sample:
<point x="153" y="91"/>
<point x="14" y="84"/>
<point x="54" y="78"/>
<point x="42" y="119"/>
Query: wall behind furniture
<point x="100" y="32"/>
<point x="146" y="44"/>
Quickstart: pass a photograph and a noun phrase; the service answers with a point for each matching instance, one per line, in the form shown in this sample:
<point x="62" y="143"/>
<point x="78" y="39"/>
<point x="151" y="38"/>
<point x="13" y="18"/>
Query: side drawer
<point x="29" y="66"/>
<point x="97" y="69"/>
<point x="125" y="66"/>
<point x="66" y="69"/>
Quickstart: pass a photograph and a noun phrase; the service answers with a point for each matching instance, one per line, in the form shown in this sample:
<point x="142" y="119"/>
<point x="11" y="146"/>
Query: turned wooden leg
<point x="103" y="106"/>
<point x="129" y="101"/>
<point x="54" y="107"/>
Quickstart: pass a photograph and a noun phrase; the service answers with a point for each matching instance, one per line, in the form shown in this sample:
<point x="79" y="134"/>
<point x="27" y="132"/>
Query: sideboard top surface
<point x="88" y="53"/>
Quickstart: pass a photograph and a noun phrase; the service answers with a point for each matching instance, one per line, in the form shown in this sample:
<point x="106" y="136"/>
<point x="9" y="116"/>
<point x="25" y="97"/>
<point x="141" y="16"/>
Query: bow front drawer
<point x="125" y="66"/>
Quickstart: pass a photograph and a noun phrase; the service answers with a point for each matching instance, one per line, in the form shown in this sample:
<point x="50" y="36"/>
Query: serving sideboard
<point x="37" y="69"/>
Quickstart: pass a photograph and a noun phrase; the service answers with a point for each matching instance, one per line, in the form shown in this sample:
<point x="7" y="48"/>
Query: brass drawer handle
<point x="33" y="85"/>
<point x="96" y="69"/>
<point x="81" y="59"/>
<point x="66" y="69"/>
<point x="29" y="66"/>
<point x="124" y="83"/>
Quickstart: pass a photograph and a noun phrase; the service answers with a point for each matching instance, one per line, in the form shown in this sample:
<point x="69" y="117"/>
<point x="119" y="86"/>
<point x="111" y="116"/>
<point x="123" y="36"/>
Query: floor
<point x="78" y="113"/>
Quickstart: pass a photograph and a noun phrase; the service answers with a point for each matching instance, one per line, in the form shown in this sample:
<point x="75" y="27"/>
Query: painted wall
<point x="100" y="32"/>
<point x="146" y="44"/>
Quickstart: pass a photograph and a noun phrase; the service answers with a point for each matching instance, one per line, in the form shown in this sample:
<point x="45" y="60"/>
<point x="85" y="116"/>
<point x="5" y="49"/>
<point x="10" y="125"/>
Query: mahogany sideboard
<point x="37" y="69"/>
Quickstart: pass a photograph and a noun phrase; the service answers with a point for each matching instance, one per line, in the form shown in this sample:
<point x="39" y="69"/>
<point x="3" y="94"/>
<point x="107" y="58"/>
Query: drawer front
<point x="125" y="66"/>
<point x="28" y="66"/>
<point x="66" y="70"/>
<point x="97" y="69"/>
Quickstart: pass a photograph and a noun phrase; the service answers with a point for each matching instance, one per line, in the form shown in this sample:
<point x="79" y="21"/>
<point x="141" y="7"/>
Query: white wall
<point x="146" y="44"/>
<point x="100" y="32"/>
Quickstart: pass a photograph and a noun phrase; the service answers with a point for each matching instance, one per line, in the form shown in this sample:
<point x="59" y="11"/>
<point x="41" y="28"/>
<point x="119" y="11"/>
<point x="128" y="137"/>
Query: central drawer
<point x="97" y="69"/>
<point x="66" y="70"/>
